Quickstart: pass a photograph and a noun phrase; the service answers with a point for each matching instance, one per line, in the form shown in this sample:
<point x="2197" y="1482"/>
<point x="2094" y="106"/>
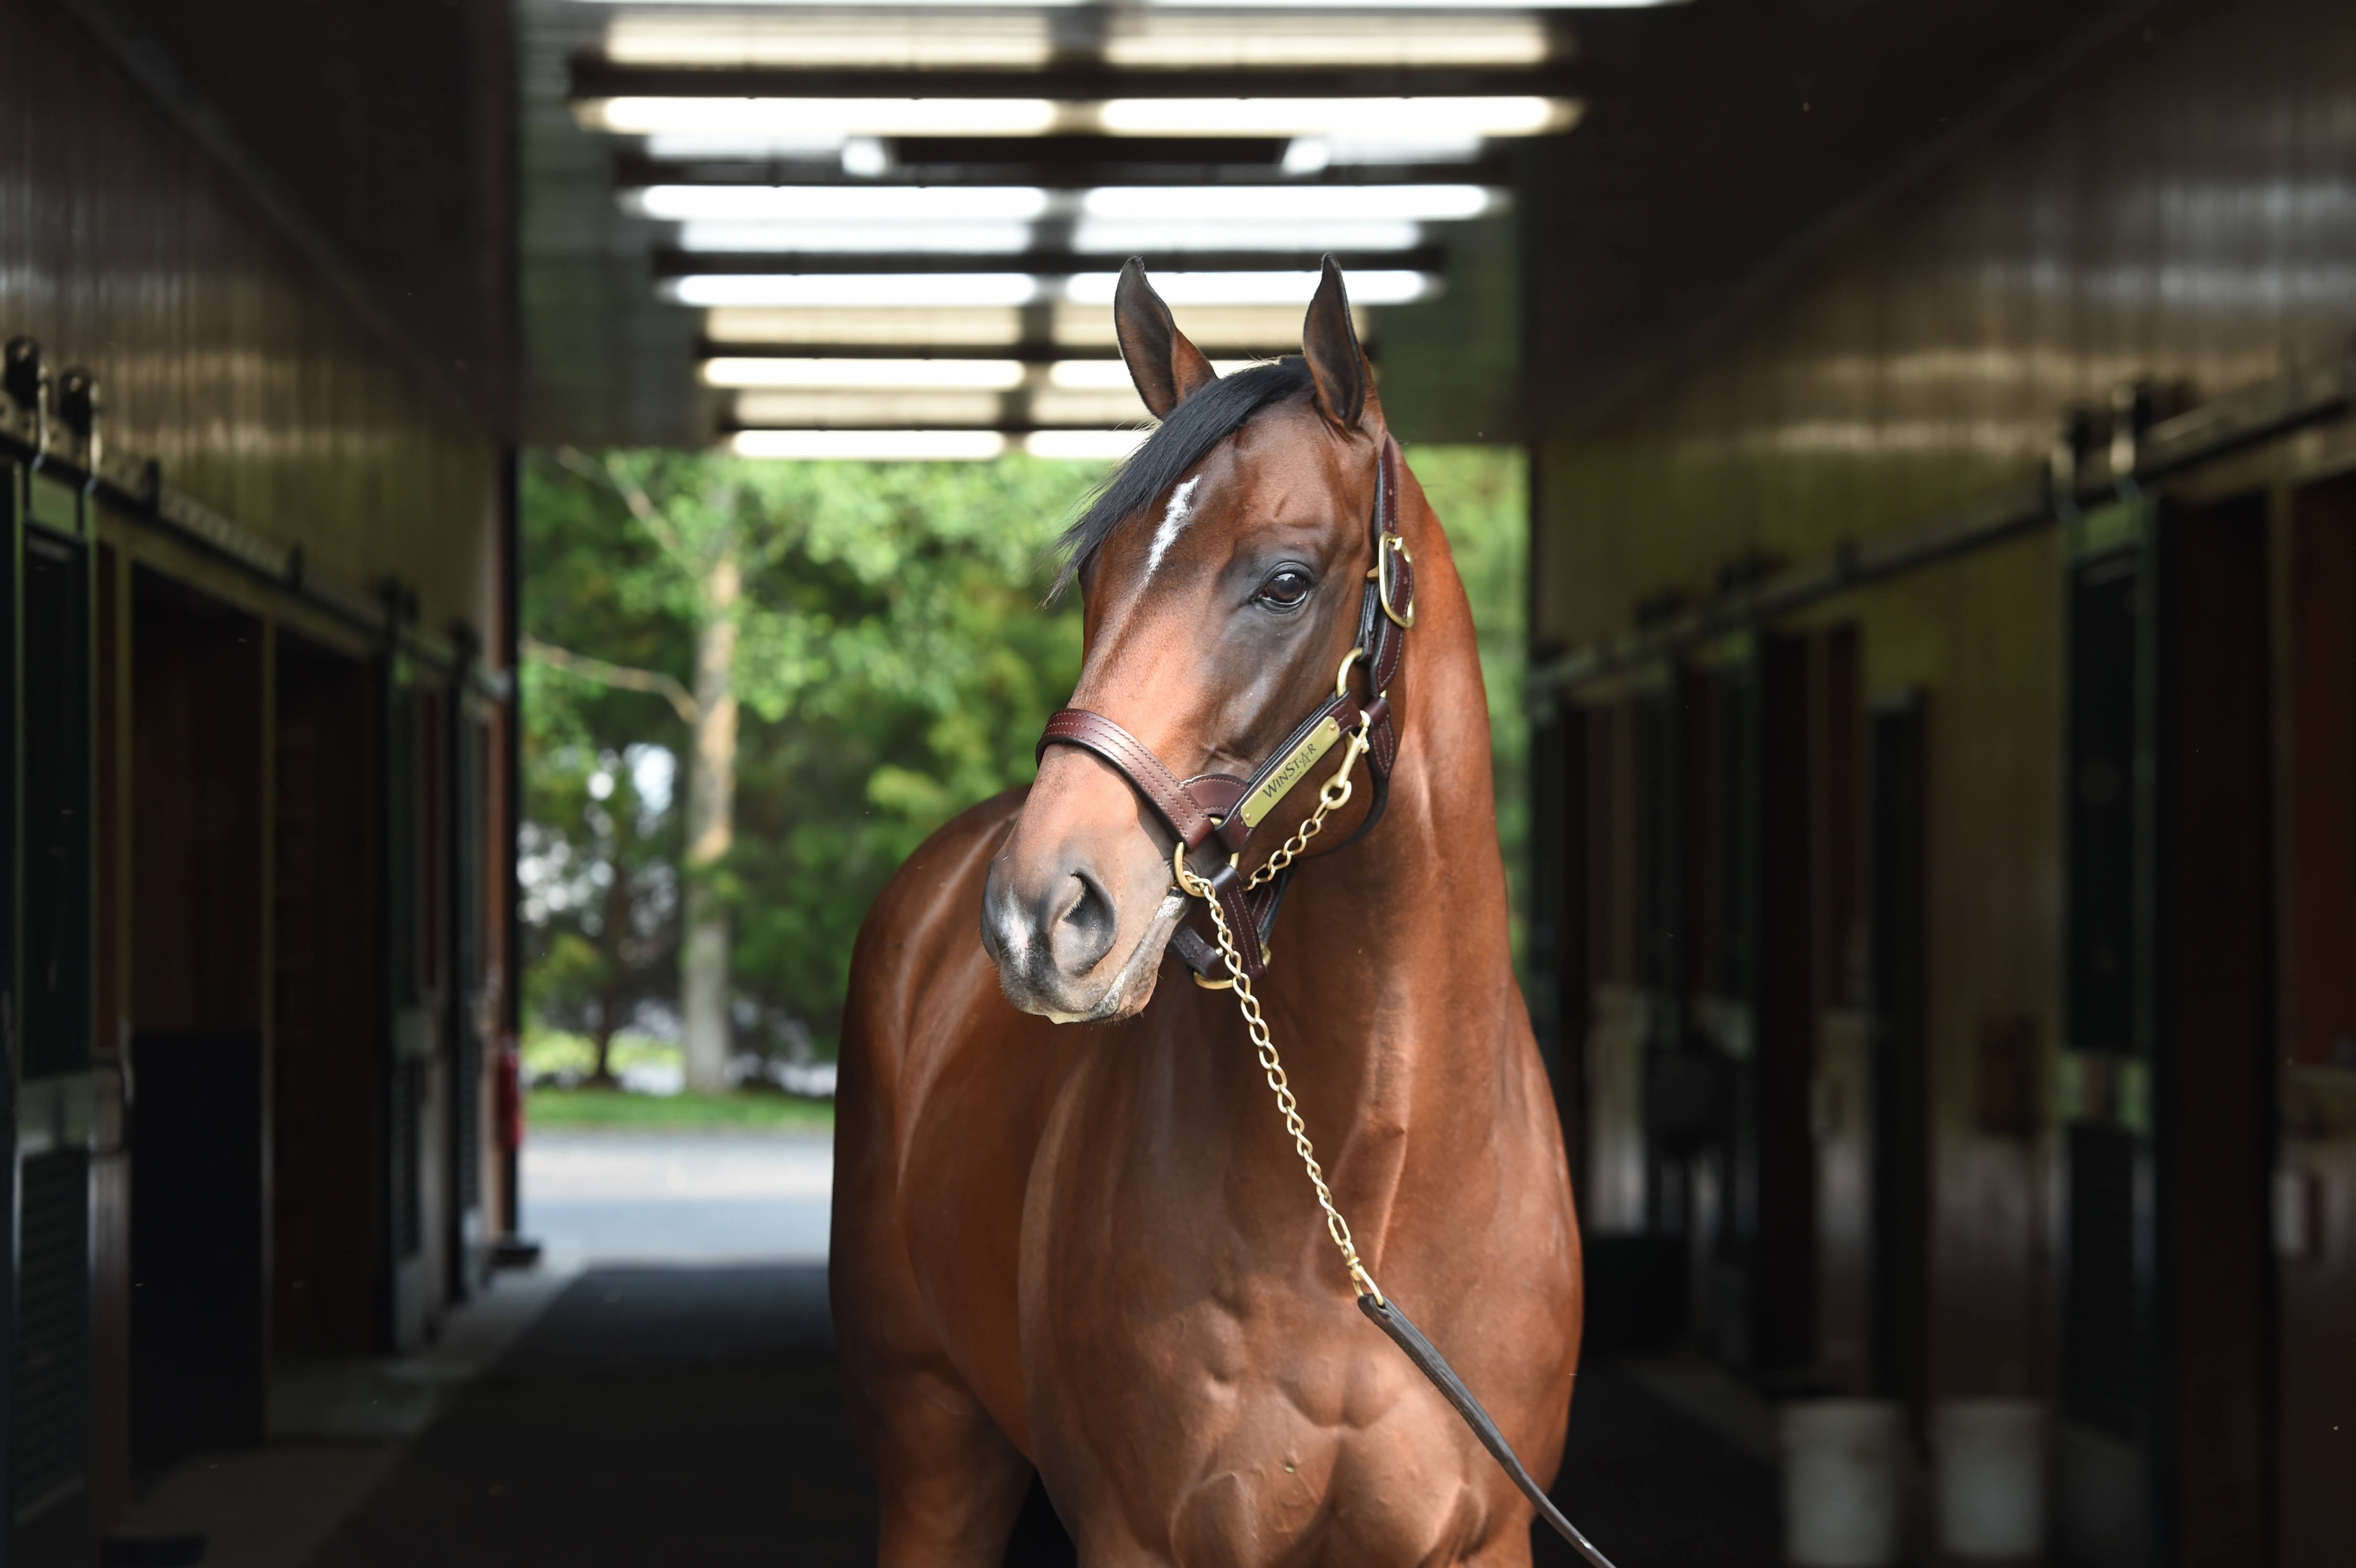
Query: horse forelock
<point x="1193" y="429"/>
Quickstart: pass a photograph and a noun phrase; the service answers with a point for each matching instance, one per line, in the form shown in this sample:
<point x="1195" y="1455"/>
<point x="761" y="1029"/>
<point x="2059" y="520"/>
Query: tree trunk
<point x="616" y="932"/>
<point x="711" y="828"/>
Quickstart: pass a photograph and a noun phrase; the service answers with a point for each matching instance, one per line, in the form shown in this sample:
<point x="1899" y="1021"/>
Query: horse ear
<point x="1166" y="368"/>
<point x="1329" y="342"/>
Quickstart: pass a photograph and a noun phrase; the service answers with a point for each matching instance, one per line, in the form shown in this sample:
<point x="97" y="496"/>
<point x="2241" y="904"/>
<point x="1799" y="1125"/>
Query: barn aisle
<point x="680" y="1415"/>
<point x="694" y="1414"/>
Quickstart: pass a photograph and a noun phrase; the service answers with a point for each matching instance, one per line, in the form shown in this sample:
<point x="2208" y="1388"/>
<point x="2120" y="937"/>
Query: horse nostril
<point x="1083" y="934"/>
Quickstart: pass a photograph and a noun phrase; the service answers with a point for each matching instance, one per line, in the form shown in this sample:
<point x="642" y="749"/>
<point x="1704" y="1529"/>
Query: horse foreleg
<point x="949" y="1481"/>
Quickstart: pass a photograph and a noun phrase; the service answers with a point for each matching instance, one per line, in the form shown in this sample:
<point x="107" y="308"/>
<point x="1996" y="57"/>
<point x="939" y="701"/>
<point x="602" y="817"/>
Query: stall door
<point x="52" y="994"/>
<point x="2167" y="1330"/>
<point x="2314" y="1182"/>
<point x="1897" y="855"/>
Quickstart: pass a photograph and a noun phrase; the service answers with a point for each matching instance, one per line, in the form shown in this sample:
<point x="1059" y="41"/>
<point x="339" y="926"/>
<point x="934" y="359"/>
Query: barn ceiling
<point x="895" y="228"/>
<point x="768" y="222"/>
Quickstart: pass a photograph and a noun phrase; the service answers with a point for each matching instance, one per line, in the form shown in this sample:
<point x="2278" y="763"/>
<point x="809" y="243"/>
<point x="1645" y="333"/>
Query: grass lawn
<point x="549" y="1050"/>
<point x="563" y="1109"/>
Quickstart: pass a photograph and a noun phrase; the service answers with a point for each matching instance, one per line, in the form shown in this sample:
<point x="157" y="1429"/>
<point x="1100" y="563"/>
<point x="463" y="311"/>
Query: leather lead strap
<point x="1227" y="887"/>
<point x="1434" y="1366"/>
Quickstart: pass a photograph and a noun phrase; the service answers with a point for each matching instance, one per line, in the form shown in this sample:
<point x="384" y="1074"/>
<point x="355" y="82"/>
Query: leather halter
<point x="1228" y="809"/>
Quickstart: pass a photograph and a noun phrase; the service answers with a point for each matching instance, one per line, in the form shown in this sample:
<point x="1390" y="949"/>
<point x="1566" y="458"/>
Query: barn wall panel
<point x="220" y="352"/>
<point x="2181" y="207"/>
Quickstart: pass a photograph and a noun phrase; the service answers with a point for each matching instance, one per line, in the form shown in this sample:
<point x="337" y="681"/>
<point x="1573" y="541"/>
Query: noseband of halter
<point x="1228" y="809"/>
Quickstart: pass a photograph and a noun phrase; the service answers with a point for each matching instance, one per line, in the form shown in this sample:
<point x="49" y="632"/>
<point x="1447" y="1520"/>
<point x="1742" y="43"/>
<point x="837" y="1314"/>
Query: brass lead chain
<point x="1272" y="1066"/>
<point x="1332" y="796"/>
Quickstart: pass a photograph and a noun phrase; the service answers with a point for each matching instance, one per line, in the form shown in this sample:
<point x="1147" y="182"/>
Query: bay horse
<point x="1093" y="1250"/>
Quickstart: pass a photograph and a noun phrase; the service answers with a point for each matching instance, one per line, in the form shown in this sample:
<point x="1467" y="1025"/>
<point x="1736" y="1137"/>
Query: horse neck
<point x="1423" y="898"/>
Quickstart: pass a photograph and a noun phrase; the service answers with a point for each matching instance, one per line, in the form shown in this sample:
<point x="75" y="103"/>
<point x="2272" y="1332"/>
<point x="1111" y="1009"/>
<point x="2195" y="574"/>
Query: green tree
<point x="876" y="633"/>
<point x="1481" y="493"/>
<point x="881" y="625"/>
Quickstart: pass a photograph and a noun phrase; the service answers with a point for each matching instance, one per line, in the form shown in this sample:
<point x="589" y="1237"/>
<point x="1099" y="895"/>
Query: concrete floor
<point x="667" y="1392"/>
<point x="594" y="1198"/>
<point x="694" y="1416"/>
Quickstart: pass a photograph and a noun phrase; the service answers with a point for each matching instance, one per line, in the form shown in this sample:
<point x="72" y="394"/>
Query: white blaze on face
<point x="1181" y="507"/>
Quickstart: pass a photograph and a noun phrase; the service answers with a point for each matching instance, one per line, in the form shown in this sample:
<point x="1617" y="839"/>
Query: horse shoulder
<point x="945" y="1086"/>
<point x="927" y="917"/>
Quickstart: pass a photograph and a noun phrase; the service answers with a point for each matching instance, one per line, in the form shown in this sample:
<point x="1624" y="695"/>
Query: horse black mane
<point x="1193" y="426"/>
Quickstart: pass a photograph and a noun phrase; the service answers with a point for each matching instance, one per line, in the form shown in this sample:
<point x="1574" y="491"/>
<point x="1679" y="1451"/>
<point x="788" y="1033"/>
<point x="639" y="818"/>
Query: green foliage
<point x="894" y="666"/>
<point x="1481" y="493"/>
<point x="601" y="891"/>
<point x="550" y="1051"/>
<point x="612" y="1109"/>
<point x="892" y="662"/>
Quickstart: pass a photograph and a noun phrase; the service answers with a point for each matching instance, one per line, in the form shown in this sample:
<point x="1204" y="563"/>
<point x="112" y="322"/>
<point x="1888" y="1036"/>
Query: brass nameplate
<point x="1288" y="771"/>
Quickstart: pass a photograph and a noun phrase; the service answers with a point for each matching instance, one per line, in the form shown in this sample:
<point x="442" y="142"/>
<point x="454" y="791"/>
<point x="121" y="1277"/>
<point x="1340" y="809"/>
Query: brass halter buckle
<point x="1386" y="579"/>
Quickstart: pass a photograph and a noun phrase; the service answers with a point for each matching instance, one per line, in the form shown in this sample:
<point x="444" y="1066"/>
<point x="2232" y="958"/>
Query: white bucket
<point x="1840" y="1483"/>
<point x="1991" y="1480"/>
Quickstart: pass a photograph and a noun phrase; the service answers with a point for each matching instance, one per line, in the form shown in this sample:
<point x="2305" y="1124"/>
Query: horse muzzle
<point x="1064" y="968"/>
<point x="1080" y="904"/>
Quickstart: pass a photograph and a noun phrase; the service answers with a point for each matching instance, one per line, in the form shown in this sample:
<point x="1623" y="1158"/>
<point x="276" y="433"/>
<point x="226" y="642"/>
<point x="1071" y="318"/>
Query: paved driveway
<point x="595" y="1199"/>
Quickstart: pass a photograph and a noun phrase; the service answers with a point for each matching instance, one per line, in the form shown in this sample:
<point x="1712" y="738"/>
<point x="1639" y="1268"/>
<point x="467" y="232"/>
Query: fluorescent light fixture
<point x="1356" y="5"/>
<point x="1498" y="115"/>
<point x="979" y="325"/>
<point x="852" y="289"/>
<point x="1367" y="286"/>
<point x="1371" y="286"/>
<point x="1127" y="236"/>
<point x="987" y="375"/>
<point x="812" y="146"/>
<point x="872" y="446"/>
<point x="1249" y="327"/>
<point x="807" y="204"/>
<point x="1487" y="116"/>
<point x="1242" y="40"/>
<point x="1292" y="204"/>
<point x="1255" y="328"/>
<point x="841" y="116"/>
<point x="1120" y="237"/>
<point x="1087" y="445"/>
<point x="886" y="37"/>
<point x="1102" y="406"/>
<point x="933" y="239"/>
<point x="870" y="409"/>
<point x="888" y="7"/>
<point x="874" y="36"/>
<point x="754" y="372"/>
<point x="1099" y="374"/>
<point x="1311" y="155"/>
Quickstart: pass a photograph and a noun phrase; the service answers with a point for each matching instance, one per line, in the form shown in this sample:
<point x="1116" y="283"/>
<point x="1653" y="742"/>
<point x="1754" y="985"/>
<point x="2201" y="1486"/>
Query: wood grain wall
<point x="2182" y="207"/>
<point x="220" y="351"/>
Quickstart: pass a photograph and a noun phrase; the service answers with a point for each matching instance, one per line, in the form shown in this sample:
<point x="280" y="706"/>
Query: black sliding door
<point x="50" y="988"/>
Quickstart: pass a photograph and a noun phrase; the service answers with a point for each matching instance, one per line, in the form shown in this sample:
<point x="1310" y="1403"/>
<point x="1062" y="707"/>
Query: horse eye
<point x="1285" y="590"/>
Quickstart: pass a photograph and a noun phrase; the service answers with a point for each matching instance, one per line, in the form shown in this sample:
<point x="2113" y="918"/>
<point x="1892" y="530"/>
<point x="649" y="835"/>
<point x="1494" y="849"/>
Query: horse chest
<point x="1264" y="1426"/>
<point x="1193" y="1361"/>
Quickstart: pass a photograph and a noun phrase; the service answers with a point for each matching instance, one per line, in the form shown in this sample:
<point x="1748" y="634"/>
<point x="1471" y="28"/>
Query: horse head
<point x="1223" y="568"/>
